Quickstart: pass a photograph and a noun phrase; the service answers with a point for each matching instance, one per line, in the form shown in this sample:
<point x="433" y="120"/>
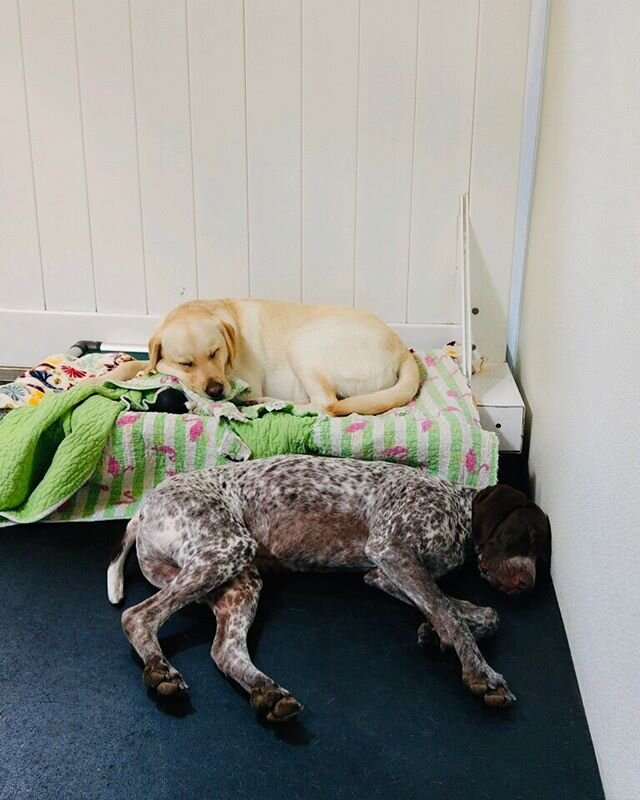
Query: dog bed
<point x="91" y="452"/>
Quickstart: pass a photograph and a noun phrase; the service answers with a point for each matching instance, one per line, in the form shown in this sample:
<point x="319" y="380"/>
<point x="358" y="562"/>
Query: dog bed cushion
<point x="57" y="373"/>
<point x="93" y="451"/>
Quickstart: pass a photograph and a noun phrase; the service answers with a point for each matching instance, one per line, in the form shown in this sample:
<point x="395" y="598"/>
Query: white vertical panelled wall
<point x="153" y="151"/>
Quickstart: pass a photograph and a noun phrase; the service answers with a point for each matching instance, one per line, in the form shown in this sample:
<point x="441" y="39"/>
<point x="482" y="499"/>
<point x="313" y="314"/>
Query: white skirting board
<point x="26" y="336"/>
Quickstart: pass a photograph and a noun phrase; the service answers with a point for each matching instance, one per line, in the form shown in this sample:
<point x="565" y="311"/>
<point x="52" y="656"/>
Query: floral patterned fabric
<point x="56" y="374"/>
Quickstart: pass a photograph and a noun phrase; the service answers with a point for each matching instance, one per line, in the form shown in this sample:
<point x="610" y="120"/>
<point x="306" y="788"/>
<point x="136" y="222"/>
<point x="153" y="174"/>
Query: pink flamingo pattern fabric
<point x="438" y="431"/>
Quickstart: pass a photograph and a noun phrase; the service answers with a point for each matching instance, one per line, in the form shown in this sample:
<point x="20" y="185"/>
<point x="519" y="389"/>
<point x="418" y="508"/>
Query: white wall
<point x="152" y="151"/>
<point x="578" y="363"/>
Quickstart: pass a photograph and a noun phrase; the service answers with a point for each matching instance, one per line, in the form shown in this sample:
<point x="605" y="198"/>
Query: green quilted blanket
<point x="92" y="452"/>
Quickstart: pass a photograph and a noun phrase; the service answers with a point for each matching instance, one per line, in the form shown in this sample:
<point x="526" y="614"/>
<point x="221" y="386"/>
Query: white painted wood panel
<point x="216" y="68"/>
<point x="388" y="42"/>
<point x="20" y="274"/>
<point x="295" y="149"/>
<point x="330" y="44"/>
<point x="443" y="126"/>
<point x="500" y="86"/>
<point x="161" y="75"/>
<point x="51" y="69"/>
<point x="272" y="30"/>
<point x="109" y="122"/>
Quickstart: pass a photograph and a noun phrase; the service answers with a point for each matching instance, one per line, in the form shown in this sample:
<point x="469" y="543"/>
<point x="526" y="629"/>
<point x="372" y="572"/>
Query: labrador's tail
<point x="404" y="390"/>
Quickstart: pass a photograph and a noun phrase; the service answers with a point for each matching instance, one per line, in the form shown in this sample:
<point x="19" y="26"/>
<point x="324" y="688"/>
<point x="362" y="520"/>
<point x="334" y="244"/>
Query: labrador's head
<point x="196" y="342"/>
<point x="512" y="538"/>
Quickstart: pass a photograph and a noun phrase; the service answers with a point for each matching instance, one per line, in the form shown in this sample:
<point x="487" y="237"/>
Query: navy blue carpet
<point x="383" y="718"/>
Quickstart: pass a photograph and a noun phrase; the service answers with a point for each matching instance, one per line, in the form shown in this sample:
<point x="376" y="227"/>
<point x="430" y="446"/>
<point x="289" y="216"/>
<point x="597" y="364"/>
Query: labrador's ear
<point x="230" y="339"/>
<point x="155" y="351"/>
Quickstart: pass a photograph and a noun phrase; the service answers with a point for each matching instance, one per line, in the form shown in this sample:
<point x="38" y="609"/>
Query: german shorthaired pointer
<point x="206" y="536"/>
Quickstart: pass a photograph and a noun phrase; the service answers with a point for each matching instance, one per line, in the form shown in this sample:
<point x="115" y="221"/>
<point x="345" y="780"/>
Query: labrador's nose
<point x="215" y="390"/>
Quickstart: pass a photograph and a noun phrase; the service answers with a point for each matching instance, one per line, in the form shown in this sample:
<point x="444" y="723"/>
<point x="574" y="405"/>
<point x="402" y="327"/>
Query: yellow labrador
<point x="340" y="360"/>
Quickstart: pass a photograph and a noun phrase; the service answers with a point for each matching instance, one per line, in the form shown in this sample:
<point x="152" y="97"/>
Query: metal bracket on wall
<point x="83" y="346"/>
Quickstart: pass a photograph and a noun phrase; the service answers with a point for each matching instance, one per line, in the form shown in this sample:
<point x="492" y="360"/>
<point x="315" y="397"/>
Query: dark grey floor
<point x="383" y="719"/>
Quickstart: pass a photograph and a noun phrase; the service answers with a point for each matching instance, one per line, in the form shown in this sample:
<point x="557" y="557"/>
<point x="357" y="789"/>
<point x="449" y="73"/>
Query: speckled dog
<point x="206" y="536"/>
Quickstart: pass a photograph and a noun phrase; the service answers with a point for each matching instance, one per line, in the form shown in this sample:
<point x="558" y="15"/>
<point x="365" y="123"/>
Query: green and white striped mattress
<point x="439" y="431"/>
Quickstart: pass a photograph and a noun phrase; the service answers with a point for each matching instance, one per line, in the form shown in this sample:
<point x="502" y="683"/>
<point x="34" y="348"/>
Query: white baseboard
<point x="27" y="336"/>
